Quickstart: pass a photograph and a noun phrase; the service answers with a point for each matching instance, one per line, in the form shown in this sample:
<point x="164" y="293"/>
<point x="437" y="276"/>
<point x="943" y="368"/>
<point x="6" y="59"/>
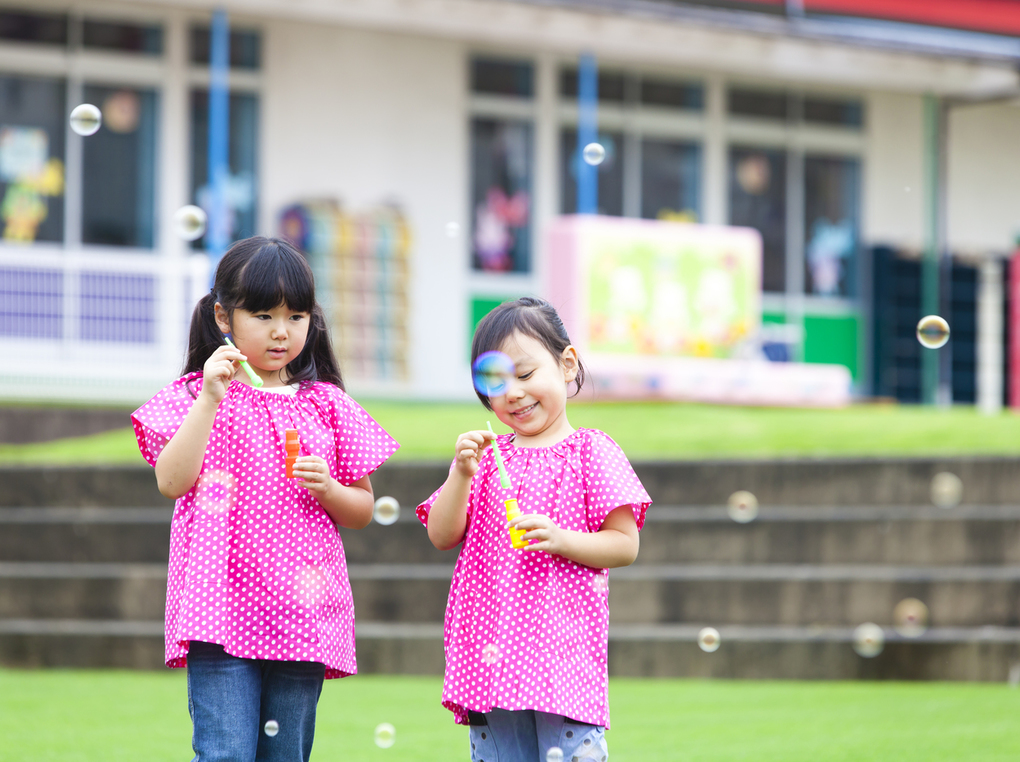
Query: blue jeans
<point x="231" y="701"/>
<point x="527" y="736"/>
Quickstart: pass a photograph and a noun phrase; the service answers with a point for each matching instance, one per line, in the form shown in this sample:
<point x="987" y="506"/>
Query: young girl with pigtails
<point x="259" y="605"/>
<point x="526" y="630"/>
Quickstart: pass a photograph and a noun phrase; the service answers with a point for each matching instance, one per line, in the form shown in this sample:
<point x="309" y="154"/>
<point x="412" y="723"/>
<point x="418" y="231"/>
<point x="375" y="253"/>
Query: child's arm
<point x="178" y="466"/>
<point x="349" y="506"/>
<point x="615" y="544"/>
<point x="448" y="515"/>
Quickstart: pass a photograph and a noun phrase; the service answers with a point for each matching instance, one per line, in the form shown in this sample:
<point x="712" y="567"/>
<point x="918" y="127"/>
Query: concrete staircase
<point x="836" y="543"/>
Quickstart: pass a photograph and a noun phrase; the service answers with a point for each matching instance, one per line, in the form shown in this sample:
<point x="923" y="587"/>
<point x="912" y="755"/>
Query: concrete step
<point x="914" y="535"/>
<point x="766" y="594"/>
<point x="761" y="652"/>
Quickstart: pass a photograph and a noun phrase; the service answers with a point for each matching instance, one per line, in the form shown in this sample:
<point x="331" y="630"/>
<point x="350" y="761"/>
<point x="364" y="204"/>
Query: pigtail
<point x="317" y="361"/>
<point x="204" y="336"/>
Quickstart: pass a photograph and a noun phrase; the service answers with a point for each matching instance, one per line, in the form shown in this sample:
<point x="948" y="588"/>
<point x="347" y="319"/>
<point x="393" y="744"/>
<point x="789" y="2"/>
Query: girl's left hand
<point x="540" y="527"/>
<point x="313" y="473"/>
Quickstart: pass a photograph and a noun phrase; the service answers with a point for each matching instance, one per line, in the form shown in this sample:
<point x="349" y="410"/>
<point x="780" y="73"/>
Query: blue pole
<point x="587" y="132"/>
<point x="218" y="229"/>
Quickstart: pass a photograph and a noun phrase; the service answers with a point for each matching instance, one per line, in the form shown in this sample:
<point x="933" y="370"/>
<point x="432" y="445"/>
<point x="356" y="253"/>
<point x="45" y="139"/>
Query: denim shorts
<point x="528" y="736"/>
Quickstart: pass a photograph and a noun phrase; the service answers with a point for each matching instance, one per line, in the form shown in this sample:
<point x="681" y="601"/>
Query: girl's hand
<point x="540" y="527"/>
<point x="313" y="473"/>
<point x="470" y="448"/>
<point x="219" y="370"/>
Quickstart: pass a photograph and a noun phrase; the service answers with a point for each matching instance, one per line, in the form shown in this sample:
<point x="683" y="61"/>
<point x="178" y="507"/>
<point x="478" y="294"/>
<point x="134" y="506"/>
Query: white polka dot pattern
<point x="545" y="616"/>
<point x="256" y="564"/>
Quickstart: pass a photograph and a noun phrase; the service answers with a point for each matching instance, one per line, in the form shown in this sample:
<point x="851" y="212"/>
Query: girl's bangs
<point x="275" y="276"/>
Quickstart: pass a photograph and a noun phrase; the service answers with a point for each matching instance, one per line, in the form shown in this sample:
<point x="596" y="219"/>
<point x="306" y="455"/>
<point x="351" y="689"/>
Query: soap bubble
<point x="272" y="728"/>
<point x="86" y="119"/>
<point x="190" y="222"/>
<point x="491" y="654"/>
<point x="215" y="492"/>
<point x="932" y="331"/>
<point x="910" y="618"/>
<point x="600" y="584"/>
<point x="742" y="506"/>
<point x="452" y="230"/>
<point x="708" y="640"/>
<point x="310" y="586"/>
<point x="594" y="154"/>
<point x="555" y="754"/>
<point x="385" y="735"/>
<point x="946" y="490"/>
<point x="492" y="372"/>
<point x="386" y="510"/>
<point x="869" y="640"/>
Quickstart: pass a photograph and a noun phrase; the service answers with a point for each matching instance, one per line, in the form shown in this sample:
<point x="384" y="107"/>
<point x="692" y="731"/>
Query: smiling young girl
<point x="258" y="602"/>
<point x="526" y="632"/>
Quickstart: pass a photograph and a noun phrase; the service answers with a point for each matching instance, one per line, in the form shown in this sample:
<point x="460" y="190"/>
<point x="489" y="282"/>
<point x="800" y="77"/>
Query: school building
<point x="420" y="149"/>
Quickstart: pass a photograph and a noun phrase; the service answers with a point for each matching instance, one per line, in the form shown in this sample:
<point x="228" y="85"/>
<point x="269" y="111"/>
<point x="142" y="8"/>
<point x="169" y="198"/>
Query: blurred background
<point x="781" y="190"/>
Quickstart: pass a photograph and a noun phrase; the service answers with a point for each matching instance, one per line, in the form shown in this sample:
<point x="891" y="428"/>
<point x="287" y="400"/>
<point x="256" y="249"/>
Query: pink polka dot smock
<point x="256" y="564"/>
<point x="527" y="629"/>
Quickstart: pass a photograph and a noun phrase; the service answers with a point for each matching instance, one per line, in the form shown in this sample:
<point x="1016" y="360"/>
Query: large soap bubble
<point x="385" y="735"/>
<point x="492" y="372"/>
<point x="86" y="119"/>
<point x="869" y="640"/>
<point x="708" y="639"/>
<point x="594" y="154"/>
<point x="272" y="728"/>
<point x="190" y="222"/>
<point x="910" y="618"/>
<point x="946" y="489"/>
<point x="386" y="510"/>
<point x="932" y="331"/>
<point x="742" y="506"/>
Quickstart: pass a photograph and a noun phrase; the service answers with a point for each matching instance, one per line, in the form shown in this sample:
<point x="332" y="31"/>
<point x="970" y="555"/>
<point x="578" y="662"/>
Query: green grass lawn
<point x="653" y="430"/>
<point x="67" y="716"/>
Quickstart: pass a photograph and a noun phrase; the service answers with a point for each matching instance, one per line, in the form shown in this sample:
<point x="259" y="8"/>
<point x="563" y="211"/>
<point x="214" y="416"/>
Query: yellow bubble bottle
<point x="516" y="535"/>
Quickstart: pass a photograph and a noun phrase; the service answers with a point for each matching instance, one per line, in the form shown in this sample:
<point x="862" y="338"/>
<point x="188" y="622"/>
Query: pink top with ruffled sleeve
<point x="527" y="629"/>
<point x="256" y="564"/>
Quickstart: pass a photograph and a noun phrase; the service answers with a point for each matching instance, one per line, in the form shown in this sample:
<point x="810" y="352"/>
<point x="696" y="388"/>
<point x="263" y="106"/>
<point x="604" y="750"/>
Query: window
<point x="670" y="173"/>
<point x="32" y="158"/>
<point x="501" y="160"/>
<point x="243" y="184"/>
<point x="610" y="172"/>
<point x="119" y="169"/>
<point x="843" y="113"/>
<point x="757" y="103"/>
<point x="757" y="184"/>
<point x="672" y="94"/>
<point x="612" y="85"/>
<point x="493" y="77"/>
<point x="129" y="38"/>
<point x="831" y="221"/>
<point x="245" y="48"/>
<point x="40" y="28"/>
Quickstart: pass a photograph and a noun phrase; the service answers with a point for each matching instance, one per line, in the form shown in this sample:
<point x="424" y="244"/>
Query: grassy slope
<point x="652" y="430"/>
<point x="48" y="716"/>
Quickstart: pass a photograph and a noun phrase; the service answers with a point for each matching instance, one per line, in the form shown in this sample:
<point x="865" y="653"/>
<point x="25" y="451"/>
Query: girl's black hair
<point x="531" y="316"/>
<point x="258" y="274"/>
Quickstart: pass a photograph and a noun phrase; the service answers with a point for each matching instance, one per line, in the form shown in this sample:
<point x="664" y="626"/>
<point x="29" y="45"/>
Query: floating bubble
<point x="932" y="331"/>
<point x="452" y="230"/>
<point x="491" y="654"/>
<point x="386" y="510"/>
<point x="310" y="586"/>
<point x="190" y="222"/>
<point x="385" y="735"/>
<point x="86" y="119"/>
<point x="215" y="492"/>
<point x="910" y="618"/>
<point x="600" y="584"/>
<point x="946" y="490"/>
<point x="594" y="154"/>
<point x="742" y="506"/>
<point x="869" y="640"/>
<point x="492" y="372"/>
<point x="708" y="640"/>
<point x="555" y="754"/>
<point x="272" y="728"/>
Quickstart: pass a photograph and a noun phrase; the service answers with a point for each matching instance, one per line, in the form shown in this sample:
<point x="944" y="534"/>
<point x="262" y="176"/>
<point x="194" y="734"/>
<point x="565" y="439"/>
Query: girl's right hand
<point x="470" y="448"/>
<point x="219" y="370"/>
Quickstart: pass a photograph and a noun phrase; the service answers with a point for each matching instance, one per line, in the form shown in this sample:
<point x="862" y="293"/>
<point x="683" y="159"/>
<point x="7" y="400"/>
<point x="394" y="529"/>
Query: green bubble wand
<point x="256" y="379"/>
<point x="512" y="509"/>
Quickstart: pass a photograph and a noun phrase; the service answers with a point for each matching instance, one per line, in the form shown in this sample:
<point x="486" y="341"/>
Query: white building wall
<point x="370" y="117"/>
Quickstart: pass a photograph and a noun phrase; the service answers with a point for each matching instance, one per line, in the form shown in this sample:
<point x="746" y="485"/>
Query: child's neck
<point x="548" y="437"/>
